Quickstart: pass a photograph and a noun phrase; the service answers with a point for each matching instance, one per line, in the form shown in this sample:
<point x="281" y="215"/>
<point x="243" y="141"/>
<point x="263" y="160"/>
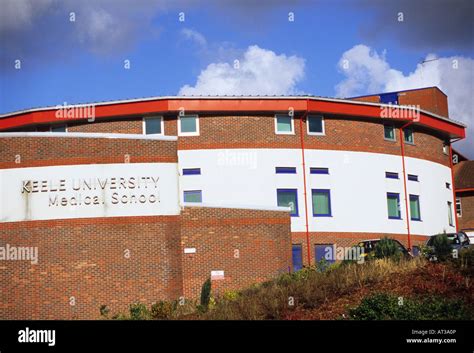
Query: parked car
<point x="457" y="241"/>
<point x="369" y="247"/>
<point x="470" y="234"/>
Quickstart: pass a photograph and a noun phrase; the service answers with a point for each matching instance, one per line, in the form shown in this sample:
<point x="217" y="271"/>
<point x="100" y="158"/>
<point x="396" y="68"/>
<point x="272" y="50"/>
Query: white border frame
<point x="196" y="133"/>
<point x="292" y="132"/>
<point x="316" y="133"/>
<point x="153" y="117"/>
<point x="412" y="134"/>
<point x="394" y="133"/>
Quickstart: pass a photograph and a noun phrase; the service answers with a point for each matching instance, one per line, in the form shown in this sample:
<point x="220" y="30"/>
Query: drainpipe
<point x="455" y="214"/>
<point x="304" y="181"/>
<point x="402" y="144"/>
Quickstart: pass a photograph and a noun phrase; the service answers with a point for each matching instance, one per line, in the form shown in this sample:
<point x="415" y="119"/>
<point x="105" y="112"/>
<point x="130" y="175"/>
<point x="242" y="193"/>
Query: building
<point x="464" y="187"/>
<point x="145" y="199"/>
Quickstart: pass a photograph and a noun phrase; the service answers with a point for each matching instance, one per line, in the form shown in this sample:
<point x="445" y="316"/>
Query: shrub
<point x="441" y="247"/>
<point x="206" y="294"/>
<point x="383" y="306"/>
<point x="104" y="311"/>
<point x="139" y="311"/>
<point x="387" y="248"/>
<point x="162" y="310"/>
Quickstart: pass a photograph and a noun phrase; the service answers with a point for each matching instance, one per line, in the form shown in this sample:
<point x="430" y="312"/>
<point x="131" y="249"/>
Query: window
<point x="450" y="213"/>
<point x="393" y="205"/>
<point x="415" y="208"/>
<point x="391" y="175"/>
<point x="288" y="198"/>
<point x="188" y="125"/>
<point x="193" y="196"/>
<point x="458" y="207"/>
<point x="389" y="132"/>
<point x="412" y="177"/>
<point x="153" y="125"/>
<point x="448" y="186"/>
<point x="315" y="125"/>
<point x="192" y="171"/>
<point x="297" y="252"/>
<point x="284" y="124"/>
<point x="409" y="137"/>
<point x="285" y="170"/>
<point x="324" y="252"/>
<point x="321" y="202"/>
<point x="445" y="148"/>
<point x="59" y="128"/>
<point x="319" y="170"/>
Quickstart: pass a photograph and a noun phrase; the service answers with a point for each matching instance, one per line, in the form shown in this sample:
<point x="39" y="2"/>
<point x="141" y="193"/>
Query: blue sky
<point x="83" y="61"/>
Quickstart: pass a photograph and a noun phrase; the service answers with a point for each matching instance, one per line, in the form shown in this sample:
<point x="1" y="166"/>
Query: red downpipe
<point x="304" y="181"/>
<point x="452" y="183"/>
<point x="407" y="215"/>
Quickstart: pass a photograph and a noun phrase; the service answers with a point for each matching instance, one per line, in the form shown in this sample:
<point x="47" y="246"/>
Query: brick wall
<point x="345" y="240"/>
<point x="248" y="245"/>
<point x="86" y="259"/>
<point x="22" y="152"/>
<point x="467" y="204"/>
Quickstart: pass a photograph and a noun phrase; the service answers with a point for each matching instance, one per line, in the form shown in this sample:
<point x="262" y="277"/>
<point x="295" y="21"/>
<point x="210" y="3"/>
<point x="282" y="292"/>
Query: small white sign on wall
<point x="189" y="250"/>
<point x="217" y="275"/>
<point x="83" y="191"/>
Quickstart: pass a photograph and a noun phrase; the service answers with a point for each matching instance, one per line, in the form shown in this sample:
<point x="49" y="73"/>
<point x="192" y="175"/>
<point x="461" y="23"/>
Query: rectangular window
<point x="389" y="132"/>
<point x="448" y="186"/>
<point x="409" y="135"/>
<point x="59" y="128"/>
<point x="321" y="202"/>
<point x="193" y="196"/>
<point x="458" y="207"/>
<point x="324" y="252"/>
<point x="450" y="213"/>
<point x="284" y="124"/>
<point x="297" y="252"/>
<point x="415" y="208"/>
<point x="319" y="170"/>
<point x="192" y="171"/>
<point x="412" y="177"/>
<point x="188" y="125"/>
<point x="391" y="175"/>
<point x="288" y="198"/>
<point x="285" y="170"/>
<point x="153" y="125"/>
<point x="315" y="125"/>
<point x="393" y="205"/>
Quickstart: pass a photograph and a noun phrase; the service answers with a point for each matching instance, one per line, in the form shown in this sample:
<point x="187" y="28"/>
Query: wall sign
<point x="101" y="190"/>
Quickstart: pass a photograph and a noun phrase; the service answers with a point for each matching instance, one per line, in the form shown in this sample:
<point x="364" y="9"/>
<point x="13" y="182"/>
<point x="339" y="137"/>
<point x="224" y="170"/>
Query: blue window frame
<point x="324" y="251"/>
<point x="193" y="196"/>
<point x="415" y="208"/>
<point x="191" y="171"/>
<point x="285" y="170"/>
<point x="412" y="177"/>
<point x="321" y="199"/>
<point x="393" y="205"/>
<point x="288" y="198"/>
<point x="297" y="252"/>
<point x="318" y="170"/>
<point x="391" y="175"/>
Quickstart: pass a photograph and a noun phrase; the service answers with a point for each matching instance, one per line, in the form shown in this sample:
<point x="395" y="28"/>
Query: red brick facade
<point x="466" y="221"/>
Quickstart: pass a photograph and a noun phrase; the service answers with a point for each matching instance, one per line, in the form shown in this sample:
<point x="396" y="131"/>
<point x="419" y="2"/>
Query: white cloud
<point x="194" y="36"/>
<point x="259" y="72"/>
<point x="368" y="72"/>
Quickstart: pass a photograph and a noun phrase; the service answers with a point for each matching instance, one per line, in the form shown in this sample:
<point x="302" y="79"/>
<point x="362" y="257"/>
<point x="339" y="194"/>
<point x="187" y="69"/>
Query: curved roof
<point x="215" y="104"/>
<point x="464" y="175"/>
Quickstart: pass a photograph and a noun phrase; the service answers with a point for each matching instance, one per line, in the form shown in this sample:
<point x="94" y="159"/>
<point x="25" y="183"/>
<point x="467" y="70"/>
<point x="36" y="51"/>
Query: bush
<point x="139" y="311"/>
<point x="383" y="306"/>
<point x="206" y="294"/>
<point x="387" y="248"/>
<point x="442" y="247"/>
<point x="162" y="310"/>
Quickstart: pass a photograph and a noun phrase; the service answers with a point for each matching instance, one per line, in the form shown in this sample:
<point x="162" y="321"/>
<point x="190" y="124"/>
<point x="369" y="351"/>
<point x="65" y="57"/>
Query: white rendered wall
<point x="356" y="180"/>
